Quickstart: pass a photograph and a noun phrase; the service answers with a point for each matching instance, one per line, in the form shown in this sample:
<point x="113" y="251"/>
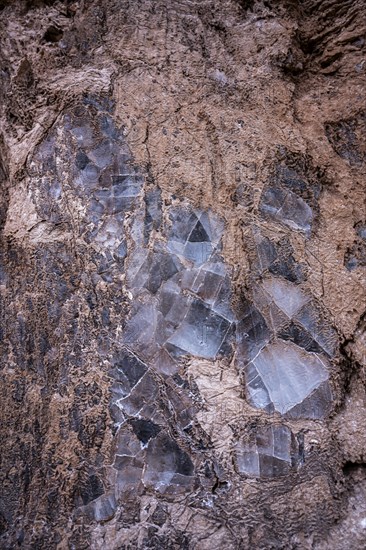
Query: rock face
<point x="182" y="274"/>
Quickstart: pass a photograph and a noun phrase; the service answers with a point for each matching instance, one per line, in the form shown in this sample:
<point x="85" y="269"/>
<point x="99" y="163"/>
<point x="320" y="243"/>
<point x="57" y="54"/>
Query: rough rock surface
<point x="182" y="274"/>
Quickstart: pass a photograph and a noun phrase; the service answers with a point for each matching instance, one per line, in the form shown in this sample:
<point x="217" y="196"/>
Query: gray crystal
<point x="267" y="454"/>
<point x="173" y="304"/>
<point x="202" y="332"/>
<point x="158" y="268"/>
<point x="83" y="135"/>
<point x="167" y="464"/>
<point x="266" y="252"/>
<point x="361" y="232"/>
<point x="193" y="235"/>
<point x="198" y="252"/>
<point x="318" y="327"/>
<point x="144" y="393"/>
<point x="299" y="336"/>
<point x="103" y="508"/>
<point x="140" y="328"/>
<point x="153" y="218"/>
<point x="90" y="175"/>
<point x="164" y="363"/>
<point x="286" y="207"/>
<point x="182" y="223"/>
<point x="126" y="443"/>
<point x="129" y="475"/>
<point x="287" y="296"/>
<point x="282" y="375"/>
<point x="222" y="304"/>
<point x="128" y="369"/>
<point x="252" y="332"/>
<point x="316" y="405"/>
<point x="208" y="282"/>
<point x="144" y="429"/>
<point x="102" y="154"/>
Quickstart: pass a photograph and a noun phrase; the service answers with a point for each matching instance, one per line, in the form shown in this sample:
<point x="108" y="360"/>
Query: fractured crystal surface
<point x="288" y="297"/>
<point x="282" y="376"/>
<point x="286" y="207"/>
<point x="269" y="452"/>
<point x="252" y="332"/>
<point x="167" y="464"/>
<point x="191" y="313"/>
<point x="170" y="300"/>
<point x="202" y="332"/>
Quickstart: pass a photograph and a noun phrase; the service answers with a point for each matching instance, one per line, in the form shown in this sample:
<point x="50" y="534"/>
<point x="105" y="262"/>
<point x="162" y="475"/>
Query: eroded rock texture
<point x="182" y="274"/>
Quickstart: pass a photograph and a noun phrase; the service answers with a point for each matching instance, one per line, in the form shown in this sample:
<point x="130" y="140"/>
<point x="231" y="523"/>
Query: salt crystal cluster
<point x="167" y="259"/>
